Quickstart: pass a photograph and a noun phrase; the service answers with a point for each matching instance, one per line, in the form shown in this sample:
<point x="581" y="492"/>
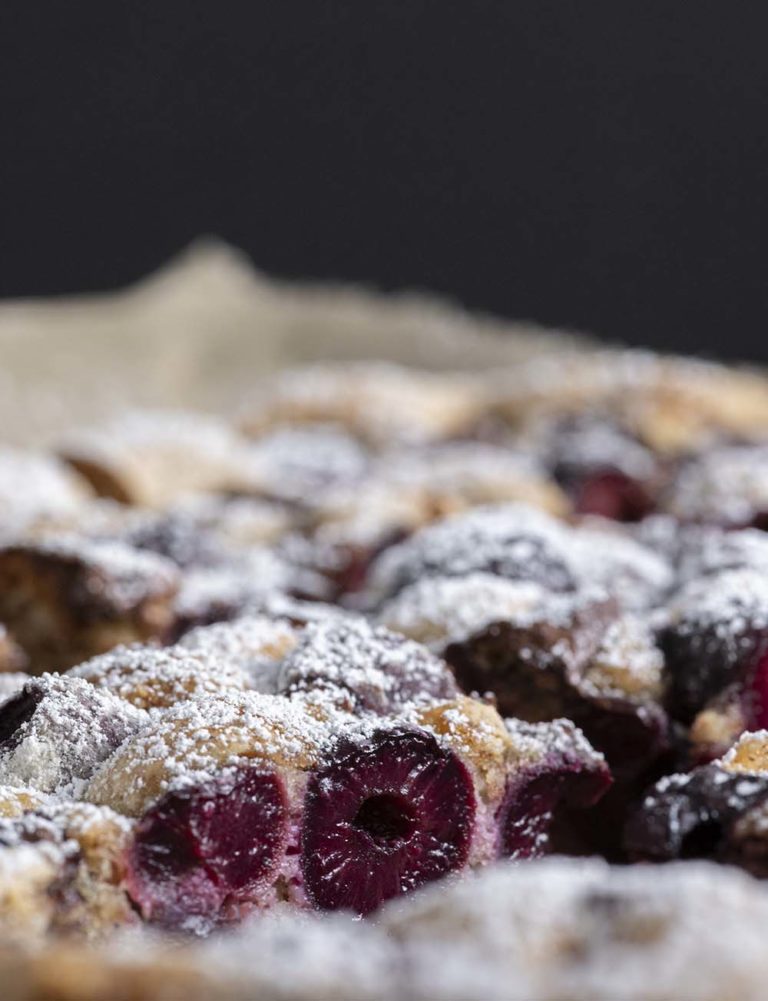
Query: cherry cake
<point x="385" y="629"/>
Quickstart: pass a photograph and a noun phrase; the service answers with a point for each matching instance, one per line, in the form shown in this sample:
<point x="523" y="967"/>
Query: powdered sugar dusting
<point x="467" y="471"/>
<point x="588" y="444"/>
<point x="232" y="588"/>
<point x="148" y="676"/>
<point x="299" y="463"/>
<point x="518" y="542"/>
<point x="554" y="928"/>
<point x="61" y="730"/>
<point x="627" y="661"/>
<point x="725" y="485"/>
<point x="306" y="956"/>
<point x="700" y="550"/>
<point x="253" y="644"/>
<point x="155" y="457"/>
<point x="560" y="739"/>
<point x="344" y="463"/>
<point x="142" y="431"/>
<point x="33" y="484"/>
<point x="192" y="742"/>
<point x="510" y="540"/>
<point x="633" y="573"/>
<point x="381" y="402"/>
<point x="352" y="665"/>
<point x="236" y="520"/>
<point x="10" y="683"/>
<point x="121" y="575"/>
<point x="580" y="929"/>
<point x="727" y="604"/>
<point x="439" y="610"/>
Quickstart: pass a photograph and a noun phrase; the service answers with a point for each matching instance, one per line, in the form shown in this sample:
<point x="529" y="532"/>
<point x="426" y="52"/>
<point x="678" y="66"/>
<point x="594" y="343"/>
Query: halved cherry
<point x="531" y="806"/>
<point x="203" y="849"/>
<point x="384" y="817"/>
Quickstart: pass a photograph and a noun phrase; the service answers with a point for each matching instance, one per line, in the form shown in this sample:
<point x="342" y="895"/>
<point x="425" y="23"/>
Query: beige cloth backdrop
<point x="199" y="331"/>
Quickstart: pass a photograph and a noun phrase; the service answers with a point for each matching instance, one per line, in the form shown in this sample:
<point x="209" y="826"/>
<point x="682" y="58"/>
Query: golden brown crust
<point x="152" y="458"/>
<point x="476" y="732"/>
<point x="200" y="737"/>
<point x="29" y="876"/>
<point x="71" y="972"/>
<point x="716" y="728"/>
<point x="103" y="838"/>
<point x="66" y="600"/>
<point x="16" y="801"/>
<point x="672" y="404"/>
<point x="155" y="678"/>
<point x="61" y="872"/>
<point x="537" y="491"/>
<point x="378" y="402"/>
<point x="454" y="476"/>
<point x="627" y="663"/>
<point x="12" y="658"/>
<point x="749" y="754"/>
<point x="103" y="481"/>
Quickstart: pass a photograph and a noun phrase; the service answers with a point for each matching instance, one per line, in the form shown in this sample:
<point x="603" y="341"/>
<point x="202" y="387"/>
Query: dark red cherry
<point x="534" y="672"/>
<point x="201" y="850"/>
<point x="630" y="735"/>
<point x="17" y="711"/>
<point x="702" y="661"/>
<point x="383" y="818"/>
<point x="364" y="669"/>
<point x="756" y="696"/>
<point x="530" y="807"/>
<point x="692" y="816"/>
<point x="612" y="495"/>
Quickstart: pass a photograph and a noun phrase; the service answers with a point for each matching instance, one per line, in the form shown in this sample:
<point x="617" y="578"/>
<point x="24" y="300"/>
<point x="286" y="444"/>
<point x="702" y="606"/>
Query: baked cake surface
<point x="372" y="649"/>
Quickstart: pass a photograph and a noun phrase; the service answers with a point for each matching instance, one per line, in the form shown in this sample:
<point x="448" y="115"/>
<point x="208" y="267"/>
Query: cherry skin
<point x="383" y="818"/>
<point x="612" y="495"/>
<point x="203" y="851"/>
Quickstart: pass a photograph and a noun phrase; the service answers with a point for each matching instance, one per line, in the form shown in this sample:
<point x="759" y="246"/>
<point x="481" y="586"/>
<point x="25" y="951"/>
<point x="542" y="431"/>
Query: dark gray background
<point x="602" y="165"/>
